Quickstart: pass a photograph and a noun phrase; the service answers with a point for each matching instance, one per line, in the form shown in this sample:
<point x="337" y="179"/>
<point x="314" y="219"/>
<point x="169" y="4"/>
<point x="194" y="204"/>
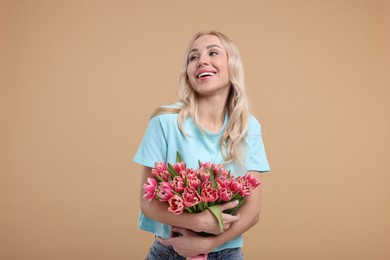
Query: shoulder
<point x="168" y="109"/>
<point x="164" y="119"/>
<point x="166" y="114"/>
<point x="254" y="126"/>
<point x="176" y="105"/>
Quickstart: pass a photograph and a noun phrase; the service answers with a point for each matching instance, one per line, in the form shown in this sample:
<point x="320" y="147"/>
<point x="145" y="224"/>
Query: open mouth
<point x="205" y="74"/>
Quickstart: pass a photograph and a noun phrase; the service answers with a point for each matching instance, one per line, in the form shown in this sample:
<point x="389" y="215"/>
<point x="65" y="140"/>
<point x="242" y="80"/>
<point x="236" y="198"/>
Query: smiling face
<point x="207" y="68"/>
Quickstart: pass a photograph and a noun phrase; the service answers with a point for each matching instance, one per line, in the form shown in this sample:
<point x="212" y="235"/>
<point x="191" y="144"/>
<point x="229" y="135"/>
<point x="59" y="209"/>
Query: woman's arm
<point x="200" y="222"/>
<point x="249" y="216"/>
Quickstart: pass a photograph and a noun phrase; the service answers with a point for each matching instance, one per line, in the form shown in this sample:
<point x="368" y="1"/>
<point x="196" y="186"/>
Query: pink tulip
<point x="204" y="174"/>
<point x="248" y="184"/>
<point x="206" y="184"/>
<point x="160" y="170"/>
<point x="177" y="184"/>
<point x="208" y="194"/>
<point x="189" y="173"/>
<point x="252" y="180"/>
<point x="225" y="173"/>
<point x="217" y="169"/>
<point x="206" y="165"/>
<point x="179" y="167"/>
<point x="191" y="197"/>
<point x="176" y="205"/>
<point x="164" y="191"/>
<point x="150" y="189"/>
<point x="225" y="194"/>
<point x="246" y="189"/>
<point x="224" y="182"/>
<point x="193" y="181"/>
<point x="235" y="186"/>
<point x="160" y="166"/>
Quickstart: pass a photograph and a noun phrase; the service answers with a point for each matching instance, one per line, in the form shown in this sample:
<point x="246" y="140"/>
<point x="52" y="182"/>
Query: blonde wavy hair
<point x="237" y="105"/>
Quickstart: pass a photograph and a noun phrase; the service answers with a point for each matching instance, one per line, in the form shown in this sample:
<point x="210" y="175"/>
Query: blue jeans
<point x="161" y="252"/>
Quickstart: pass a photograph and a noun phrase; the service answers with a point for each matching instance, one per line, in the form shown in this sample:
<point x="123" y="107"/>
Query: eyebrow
<point x="208" y="47"/>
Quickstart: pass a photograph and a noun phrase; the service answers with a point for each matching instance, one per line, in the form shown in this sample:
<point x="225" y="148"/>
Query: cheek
<point x="189" y="80"/>
<point x="188" y="71"/>
<point x="223" y="66"/>
<point x="226" y="72"/>
<point x="190" y="74"/>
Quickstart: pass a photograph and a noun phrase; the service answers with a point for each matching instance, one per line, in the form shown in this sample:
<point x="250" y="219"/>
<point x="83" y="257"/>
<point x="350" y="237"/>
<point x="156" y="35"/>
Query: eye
<point x="213" y="53"/>
<point x="193" y="57"/>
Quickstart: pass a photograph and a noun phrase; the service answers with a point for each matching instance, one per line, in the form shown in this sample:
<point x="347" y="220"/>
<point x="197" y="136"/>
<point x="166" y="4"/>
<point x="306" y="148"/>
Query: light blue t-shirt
<point x="163" y="139"/>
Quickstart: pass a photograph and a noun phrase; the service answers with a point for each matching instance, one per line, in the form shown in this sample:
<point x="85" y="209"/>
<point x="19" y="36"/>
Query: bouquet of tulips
<point x="194" y="190"/>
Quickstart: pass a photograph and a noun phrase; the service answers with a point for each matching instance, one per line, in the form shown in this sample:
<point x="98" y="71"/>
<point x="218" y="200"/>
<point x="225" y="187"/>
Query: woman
<point x="210" y="122"/>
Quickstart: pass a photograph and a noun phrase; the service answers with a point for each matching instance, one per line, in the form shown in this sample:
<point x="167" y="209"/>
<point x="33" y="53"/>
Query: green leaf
<point x="214" y="184"/>
<point x="159" y="178"/>
<point x="201" y="206"/>
<point x="235" y="196"/>
<point x="172" y="170"/>
<point x="188" y="209"/>
<point x="218" y="215"/>
<point x="212" y="179"/>
<point x="176" y="193"/>
<point x="178" y="157"/>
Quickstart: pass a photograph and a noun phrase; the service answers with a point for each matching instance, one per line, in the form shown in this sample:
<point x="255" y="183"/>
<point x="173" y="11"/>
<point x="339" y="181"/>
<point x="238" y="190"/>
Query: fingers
<point x="229" y="219"/>
<point x="175" y="232"/>
<point x="178" y="230"/>
<point x="228" y="205"/>
<point x="165" y="242"/>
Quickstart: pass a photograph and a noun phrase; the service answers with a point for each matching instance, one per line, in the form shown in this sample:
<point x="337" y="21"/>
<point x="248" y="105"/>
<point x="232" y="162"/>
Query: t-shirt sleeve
<point x="153" y="147"/>
<point x="256" y="155"/>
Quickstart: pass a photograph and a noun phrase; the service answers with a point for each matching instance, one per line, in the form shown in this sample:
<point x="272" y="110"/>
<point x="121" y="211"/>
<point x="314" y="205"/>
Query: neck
<point x="211" y="113"/>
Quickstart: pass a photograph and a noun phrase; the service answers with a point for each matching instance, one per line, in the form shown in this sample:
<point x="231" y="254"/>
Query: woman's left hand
<point x="188" y="244"/>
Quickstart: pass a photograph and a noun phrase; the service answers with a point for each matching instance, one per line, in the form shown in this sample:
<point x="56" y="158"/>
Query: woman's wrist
<point x="194" y="222"/>
<point x="209" y="244"/>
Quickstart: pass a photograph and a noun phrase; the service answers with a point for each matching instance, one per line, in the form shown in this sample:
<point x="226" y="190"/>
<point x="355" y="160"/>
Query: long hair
<point x="237" y="105"/>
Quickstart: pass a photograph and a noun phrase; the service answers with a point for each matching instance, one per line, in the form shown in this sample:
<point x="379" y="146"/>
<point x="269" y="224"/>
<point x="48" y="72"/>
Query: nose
<point x="201" y="62"/>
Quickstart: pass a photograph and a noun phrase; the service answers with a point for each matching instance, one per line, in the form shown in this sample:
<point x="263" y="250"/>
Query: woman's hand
<point x="206" y="221"/>
<point x="188" y="244"/>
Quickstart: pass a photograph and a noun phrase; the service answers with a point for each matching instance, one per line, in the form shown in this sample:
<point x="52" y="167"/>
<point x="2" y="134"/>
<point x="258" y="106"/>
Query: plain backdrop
<point x="79" y="80"/>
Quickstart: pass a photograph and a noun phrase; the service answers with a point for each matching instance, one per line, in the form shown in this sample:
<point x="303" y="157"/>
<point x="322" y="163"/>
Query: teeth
<point x="204" y="74"/>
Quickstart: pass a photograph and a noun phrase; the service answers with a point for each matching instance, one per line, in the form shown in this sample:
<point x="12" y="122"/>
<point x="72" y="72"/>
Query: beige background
<point x="80" y="78"/>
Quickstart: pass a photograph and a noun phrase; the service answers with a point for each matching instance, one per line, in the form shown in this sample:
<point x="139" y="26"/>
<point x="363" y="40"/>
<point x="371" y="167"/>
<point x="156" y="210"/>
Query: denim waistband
<point x="161" y="252"/>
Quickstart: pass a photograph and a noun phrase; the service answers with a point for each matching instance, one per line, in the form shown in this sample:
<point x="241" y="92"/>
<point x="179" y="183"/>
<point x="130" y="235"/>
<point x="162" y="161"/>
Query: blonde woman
<point x="210" y="122"/>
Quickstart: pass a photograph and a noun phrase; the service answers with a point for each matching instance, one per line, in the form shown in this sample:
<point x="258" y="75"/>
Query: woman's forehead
<point x="206" y="40"/>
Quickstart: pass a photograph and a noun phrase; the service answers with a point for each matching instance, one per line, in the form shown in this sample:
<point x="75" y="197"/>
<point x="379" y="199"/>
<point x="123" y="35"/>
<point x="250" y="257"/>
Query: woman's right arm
<point x="199" y="222"/>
